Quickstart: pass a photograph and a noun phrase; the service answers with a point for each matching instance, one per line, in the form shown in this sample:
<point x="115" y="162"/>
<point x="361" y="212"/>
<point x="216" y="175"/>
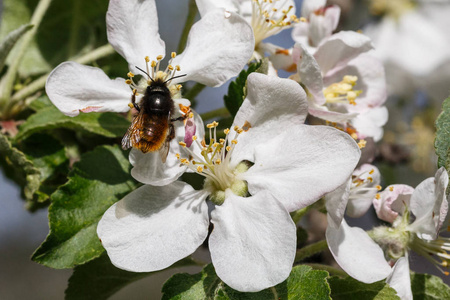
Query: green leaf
<point x="106" y="124"/>
<point x="49" y="157"/>
<point x="19" y="161"/>
<point x="99" y="279"/>
<point x="429" y="287"/>
<point x="76" y="26"/>
<point x="237" y="90"/>
<point x="303" y="283"/>
<point x="9" y="42"/>
<point x="101" y="178"/>
<point x="349" y="289"/>
<point x="442" y="141"/>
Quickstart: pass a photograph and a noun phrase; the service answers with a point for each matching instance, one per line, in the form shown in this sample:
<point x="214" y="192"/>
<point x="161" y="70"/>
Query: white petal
<point x="73" y="88"/>
<point x="253" y="242"/>
<point x="335" y="202"/>
<point x="205" y="6"/>
<point x="357" y="254"/>
<point x="310" y="72"/>
<point x="148" y="167"/>
<point x="302" y="165"/>
<point x="322" y="26"/>
<point x="154" y="227"/>
<point x="429" y="204"/>
<point x="398" y="199"/>
<point x="218" y="47"/>
<point x="340" y="48"/>
<point x="323" y="113"/>
<point x="310" y="6"/>
<point x="132" y="27"/>
<point x="400" y="279"/>
<point x="370" y="123"/>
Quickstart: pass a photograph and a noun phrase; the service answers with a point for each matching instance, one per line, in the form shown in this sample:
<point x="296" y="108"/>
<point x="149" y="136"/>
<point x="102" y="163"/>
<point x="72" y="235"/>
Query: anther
<point x="178" y="68"/>
<point x="153" y="64"/>
<point x="391" y="188"/>
<point x="182" y="144"/>
<point x="226" y="131"/>
<point x="173" y="54"/>
<point x="371" y="171"/>
<point x="194" y="138"/>
<point x="218" y="161"/>
<point x="234" y="142"/>
<point x="362" y="144"/>
<point x="159" y="57"/>
<point x="379" y="187"/>
<point x="377" y="196"/>
<point x="199" y="169"/>
<point x="147" y="59"/>
<point x="128" y="81"/>
<point x="130" y="105"/>
<point x="170" y="67"/>
<point x="131" y="75"/>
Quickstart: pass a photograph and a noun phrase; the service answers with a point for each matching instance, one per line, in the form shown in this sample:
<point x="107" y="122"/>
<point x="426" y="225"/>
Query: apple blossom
<point x="268" y="163"/>
<point x="345" y="83"/>
<point x="428" y="204"/>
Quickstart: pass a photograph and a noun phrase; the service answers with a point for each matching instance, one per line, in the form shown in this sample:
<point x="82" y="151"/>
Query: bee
<point x="152" y="128"/>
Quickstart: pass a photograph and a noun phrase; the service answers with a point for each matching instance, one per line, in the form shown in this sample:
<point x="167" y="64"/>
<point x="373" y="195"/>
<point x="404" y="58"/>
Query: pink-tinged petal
<point x="400" y="279"/>
<point x="154" y="227"/>
<point x="148" y="167"/>
<point x="322" y="26"/>
<point x="370" y="123"/>
<point x="361" y="197"/>
<point x="310" y="73"/>
<point x="205" y="6"/>
<point x="371" y="81"/>
<point x="73" y="87"/>
<point x="301" y="164"/>
<point x="132" y="28"/>
<point x="253" y="242"/>
<point x="357" y="254"/>
<point x="218" y="47"/>
<point x="336" y="202"/>
<point x="340" y="48"/>
<point x="392" y="201"/>
<point x="190" y="129"/>
<point x="310" y="6"/>
<point x="429" y="204"/>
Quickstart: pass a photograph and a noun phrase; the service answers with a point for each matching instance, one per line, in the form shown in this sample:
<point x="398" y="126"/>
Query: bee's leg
<point x="180" y="118"/>
<point x="133" y="101"/>
<point x="171" y="134"/>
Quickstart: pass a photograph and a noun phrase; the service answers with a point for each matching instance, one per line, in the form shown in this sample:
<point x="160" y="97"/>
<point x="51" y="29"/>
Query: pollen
<point x="372" y="171"/>
<point x="170" y="67"/>
<point x="147" y="59"/>
<point x="391" y="188"/>
<point x="200" y="169"/>
<point x="173" y="54"/>
<point x="178" y="68"/>
<point x="153" y="64"/>
<point x="234" y="142"/>
<point x="130" y="74"/>
<point x="159" y="57"/>
<point x="362" y="144"/>
<point x="128" y="81"/>
<point x="377" y="196"/>
<point x="182" y="144"/>
<point x="194" y="138"/>
<point x="379" y="187"/>
<point x="130" y="105"/>
<point x="226" y="131"/>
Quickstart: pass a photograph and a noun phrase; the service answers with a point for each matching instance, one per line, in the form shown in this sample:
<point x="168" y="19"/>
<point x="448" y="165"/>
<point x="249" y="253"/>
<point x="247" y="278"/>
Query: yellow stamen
<point x="173" y="54"/>
<point x="147" y="59"/>
<point x="159" y="57"/>
<point x="182" y="144"/>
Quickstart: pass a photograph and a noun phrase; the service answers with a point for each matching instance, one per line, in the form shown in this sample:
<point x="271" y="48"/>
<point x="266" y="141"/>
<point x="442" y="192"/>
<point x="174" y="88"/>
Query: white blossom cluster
<point x="272" y="160"/>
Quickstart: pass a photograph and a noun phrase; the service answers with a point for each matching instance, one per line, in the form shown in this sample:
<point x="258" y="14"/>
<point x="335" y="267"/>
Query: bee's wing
<point x="132" y="136"/>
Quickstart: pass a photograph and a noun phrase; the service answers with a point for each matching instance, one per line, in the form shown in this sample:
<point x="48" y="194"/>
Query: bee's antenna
<point x="175" y="77"/>
<point x="145" y="73"/>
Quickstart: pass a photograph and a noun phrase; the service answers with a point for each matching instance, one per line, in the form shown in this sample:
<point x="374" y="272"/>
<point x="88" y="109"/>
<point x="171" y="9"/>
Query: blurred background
<point x="412" y="39"/>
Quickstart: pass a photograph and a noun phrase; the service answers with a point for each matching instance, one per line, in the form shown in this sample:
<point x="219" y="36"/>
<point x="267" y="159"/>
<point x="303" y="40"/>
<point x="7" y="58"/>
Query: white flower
<point x="357" y="253"/>
<point x="318" y="23"/>
<point x="218" y="47"/>
<point x="268" y="164"/>
<point x="355" y="195"/>
<point x="345" y="83"/>
<point x="413" y="42"/>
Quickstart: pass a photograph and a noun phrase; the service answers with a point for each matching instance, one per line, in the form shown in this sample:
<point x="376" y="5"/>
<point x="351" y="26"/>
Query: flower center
<point x="393" y="241"/>
<point x="268" y="19"/>
<point x="435" y="251"/>
<point x="154" y="73"/>
<point x="394" y="8"/>
<point x="213" y="162"/>
<point x="363" y="187"/>
<point x="342" y="92"/>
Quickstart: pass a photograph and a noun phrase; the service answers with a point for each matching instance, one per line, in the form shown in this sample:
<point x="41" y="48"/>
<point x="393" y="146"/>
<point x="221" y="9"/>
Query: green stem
<point x="194" y="91"/>
<point x="192" y="13"/>
<point x="329" y="269"/>
<point x="215" y="114"/>
<point x="298" y="214"/>
<point x="10" y="76"/>
<point x="310" y="250"/>
<point x="39" y="83"/>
